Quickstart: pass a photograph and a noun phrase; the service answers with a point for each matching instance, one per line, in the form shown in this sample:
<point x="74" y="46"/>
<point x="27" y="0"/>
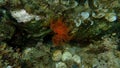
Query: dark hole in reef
<point x="118" y="48"/>
<point x="48" y="38"/>
<point x="81" y="2"/>
<point x="18" y="39"/>
<point x="98" y="50"/>
<point x="84" y="43"/>
<point x="80" y="42"/>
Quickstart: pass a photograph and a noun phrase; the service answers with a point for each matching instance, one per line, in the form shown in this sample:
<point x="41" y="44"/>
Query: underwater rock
<point x="76" y="59"/>
<point x="57" y="55"/>
<point x="30" y="53"/>
<point x="9" y="67"/>
<point x="23" y="16"/>
<point x="26" y="53"/>
<point x="108" y="60"/>
<point x="66" y="56"/>
<point x="61" y="65"/>
<point x="85" y="15"/>
<point x="111" y="17"/>
<point x="81" y="17"/>
<point x="6" y="31"/>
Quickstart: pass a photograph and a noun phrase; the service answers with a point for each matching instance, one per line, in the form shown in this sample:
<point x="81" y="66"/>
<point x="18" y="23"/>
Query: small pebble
<point x="76" y="59"/>
<point x="66" y="56"/>
<point x="111" y="17"/>
<point x="9" y="66"/>
<point x="61" y="65"/>
<point x="57" y="55"/>
<point x="85" y="15"/>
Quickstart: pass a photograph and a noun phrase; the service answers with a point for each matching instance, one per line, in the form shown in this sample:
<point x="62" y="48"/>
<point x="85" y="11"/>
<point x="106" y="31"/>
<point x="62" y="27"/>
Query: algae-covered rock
<point x="6" y="31"/>
<point x="88" y="31"/>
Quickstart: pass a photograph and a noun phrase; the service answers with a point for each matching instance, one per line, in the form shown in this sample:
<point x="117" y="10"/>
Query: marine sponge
<point x="61" y="31"/>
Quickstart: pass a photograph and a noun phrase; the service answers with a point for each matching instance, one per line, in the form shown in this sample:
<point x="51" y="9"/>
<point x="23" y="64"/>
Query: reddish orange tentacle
<point x="61" y="31"/>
